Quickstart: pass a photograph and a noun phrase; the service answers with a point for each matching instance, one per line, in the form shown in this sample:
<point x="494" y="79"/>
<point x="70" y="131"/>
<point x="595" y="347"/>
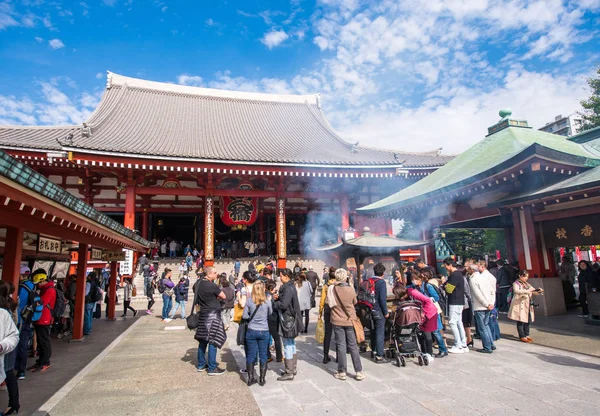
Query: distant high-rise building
<point x="564" y="125"/>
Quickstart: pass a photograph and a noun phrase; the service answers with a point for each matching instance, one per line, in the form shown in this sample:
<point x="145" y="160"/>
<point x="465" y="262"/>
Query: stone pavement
<point x="525" y="379"/>
<point x="152" y="371"/>
<point x="67" y="360"/>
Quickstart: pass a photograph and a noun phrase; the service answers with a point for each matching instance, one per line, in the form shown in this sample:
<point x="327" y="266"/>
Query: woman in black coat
<point x="288" y="307"/>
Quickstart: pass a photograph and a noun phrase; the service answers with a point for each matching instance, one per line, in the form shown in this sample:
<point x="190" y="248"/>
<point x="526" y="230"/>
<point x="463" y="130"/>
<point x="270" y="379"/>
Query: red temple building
<point x="203" y="165"/>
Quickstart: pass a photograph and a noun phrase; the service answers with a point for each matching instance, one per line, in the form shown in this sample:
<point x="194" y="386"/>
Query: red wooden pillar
<point x="209" y="231"/>
<point x="534" y="242"/>
<point x="261" y="221"/>
<point x="510" y="245"/>
<point x="13" y="251"/>
<point x="145" y="223"/>
<point x="344" y="213"/>
<point x="281" y="233"/>
<point x="130" y="206"/>
<point x="112" y="289"/>
<point x="518" y="239"/>
<point x="80" y="293"/>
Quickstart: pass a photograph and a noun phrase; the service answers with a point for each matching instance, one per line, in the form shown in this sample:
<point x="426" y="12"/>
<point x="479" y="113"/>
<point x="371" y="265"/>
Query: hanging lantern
<point x="239" y="213"/>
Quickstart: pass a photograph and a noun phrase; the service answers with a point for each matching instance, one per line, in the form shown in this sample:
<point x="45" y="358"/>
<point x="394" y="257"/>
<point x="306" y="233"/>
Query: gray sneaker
<point x="216" y="372"/>
<point x="360" y="376"/>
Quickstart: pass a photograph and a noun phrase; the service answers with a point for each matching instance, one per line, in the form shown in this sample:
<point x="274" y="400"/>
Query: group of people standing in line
<point x="275" y="308"/>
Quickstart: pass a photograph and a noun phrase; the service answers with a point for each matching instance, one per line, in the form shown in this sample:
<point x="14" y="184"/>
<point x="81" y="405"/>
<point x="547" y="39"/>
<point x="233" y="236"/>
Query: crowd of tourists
<point x="272" y="307"/>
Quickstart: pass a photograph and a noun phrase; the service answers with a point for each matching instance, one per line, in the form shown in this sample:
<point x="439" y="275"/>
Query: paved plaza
<point x="151" y="370"/>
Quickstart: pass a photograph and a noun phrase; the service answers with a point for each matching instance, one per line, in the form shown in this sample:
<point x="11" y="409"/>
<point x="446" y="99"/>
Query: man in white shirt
<point x="172" y="249"/>
<point x="483" y="294"/>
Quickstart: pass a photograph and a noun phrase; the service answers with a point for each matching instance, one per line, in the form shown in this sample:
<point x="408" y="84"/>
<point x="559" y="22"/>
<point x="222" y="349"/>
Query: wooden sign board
<point x="113" y="256"/>
<point x="96" y="254"/>
<point x="351" y="263"/>
<point x="49" y="245"/>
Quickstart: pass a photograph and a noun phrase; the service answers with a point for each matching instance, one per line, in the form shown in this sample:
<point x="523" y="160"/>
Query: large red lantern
<point x="239" y="212"/>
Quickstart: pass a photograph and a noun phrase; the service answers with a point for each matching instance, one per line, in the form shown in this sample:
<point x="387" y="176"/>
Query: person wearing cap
<point x="44" y="324"/>
<point x="25" y="287"/>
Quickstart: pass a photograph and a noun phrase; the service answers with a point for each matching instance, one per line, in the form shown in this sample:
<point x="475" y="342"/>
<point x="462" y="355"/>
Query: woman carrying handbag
<point x="343" y="320"/>
<point x="256" y="337"/>
<point x="288" y="307"/>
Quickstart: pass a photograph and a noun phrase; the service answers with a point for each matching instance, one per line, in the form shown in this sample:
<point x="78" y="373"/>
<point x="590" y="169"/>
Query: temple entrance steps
<point x="222" y="266"/>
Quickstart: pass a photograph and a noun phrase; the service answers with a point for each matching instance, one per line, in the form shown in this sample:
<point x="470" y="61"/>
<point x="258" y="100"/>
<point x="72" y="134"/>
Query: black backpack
<point x="161" y="286"/>
<point x="442" y="295"/>
<point x="366" y="293"/>
<point x="94" y="295"/>
<point x="60" y="305"/>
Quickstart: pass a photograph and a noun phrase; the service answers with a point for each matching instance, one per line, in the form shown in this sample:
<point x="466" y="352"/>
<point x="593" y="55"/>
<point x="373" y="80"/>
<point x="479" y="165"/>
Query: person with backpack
<point x="165" y="287"/>
<point x="421" y="283"/>
<point x="127" y="295"/>
<point x="373" y="294"/>
<point x="29" y="310"/>
<point x="181" y="295"/>
<point x="42" y="326"/>
<point x="92" y="295"/>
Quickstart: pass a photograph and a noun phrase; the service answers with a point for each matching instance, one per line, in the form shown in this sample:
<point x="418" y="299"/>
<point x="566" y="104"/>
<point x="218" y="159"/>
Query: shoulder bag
<point x="358" y="328"/>
<point x="193" y="317"/>
<point x="243" y="328"/>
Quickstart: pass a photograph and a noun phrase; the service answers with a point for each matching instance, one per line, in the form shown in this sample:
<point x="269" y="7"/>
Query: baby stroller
<point x="404" y="340"/>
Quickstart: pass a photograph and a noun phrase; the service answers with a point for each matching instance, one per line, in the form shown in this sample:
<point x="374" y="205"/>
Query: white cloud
<point x="110" y="3"/>
<point x="164" y="9"/>
<point x="194" y="80"/>
<point x="460" y="122"/>
<point x="274" y="38"/>
<point x="209" y="22"/>
<point x="99" y="75"/>
<point x="38" y="39"/>
<point x="51" y="106"/>
<point x="56" y="43"/>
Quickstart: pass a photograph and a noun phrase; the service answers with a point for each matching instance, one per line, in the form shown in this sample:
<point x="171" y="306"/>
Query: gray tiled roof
<point x="152" y="119"/>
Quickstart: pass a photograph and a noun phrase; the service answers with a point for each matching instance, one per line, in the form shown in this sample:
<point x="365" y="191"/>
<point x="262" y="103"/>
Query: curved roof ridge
<point x="105" y="108"/>
<point x="120" y="80"/>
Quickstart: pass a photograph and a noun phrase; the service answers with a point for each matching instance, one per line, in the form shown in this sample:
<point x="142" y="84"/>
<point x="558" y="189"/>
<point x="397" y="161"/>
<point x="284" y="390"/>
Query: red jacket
<point x="48" y="296"/>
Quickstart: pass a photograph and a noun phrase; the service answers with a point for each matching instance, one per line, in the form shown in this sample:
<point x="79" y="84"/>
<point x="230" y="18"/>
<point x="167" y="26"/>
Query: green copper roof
<point x="585" y="180"/>
<point x="484" y="156"/>
<point x="38" y="183"/>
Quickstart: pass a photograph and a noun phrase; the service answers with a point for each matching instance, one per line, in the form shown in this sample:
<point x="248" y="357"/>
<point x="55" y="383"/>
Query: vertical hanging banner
<point x="209" y="229"/>
<point x="562" y="252"/>
<point x="594" y="254"/>
<point x="126" y="266"/>
<point x="578" y="253"/>
<point x="281" y="235"/>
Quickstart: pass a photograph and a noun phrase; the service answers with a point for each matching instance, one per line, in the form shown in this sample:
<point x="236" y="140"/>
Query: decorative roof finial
<point x="505" y="112"/>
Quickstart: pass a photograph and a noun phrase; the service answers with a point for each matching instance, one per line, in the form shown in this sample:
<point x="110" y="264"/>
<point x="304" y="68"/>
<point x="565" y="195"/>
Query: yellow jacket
<point x="324" y="296"/>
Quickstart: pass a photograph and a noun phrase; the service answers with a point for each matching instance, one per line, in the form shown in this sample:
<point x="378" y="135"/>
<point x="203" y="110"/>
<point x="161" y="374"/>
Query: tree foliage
<point x="476" y="243"/>
<point x="591" y="106"/>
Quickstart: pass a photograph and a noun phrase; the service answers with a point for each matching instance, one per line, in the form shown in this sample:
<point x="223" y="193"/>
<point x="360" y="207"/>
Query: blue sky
<point x="407" y="74"/>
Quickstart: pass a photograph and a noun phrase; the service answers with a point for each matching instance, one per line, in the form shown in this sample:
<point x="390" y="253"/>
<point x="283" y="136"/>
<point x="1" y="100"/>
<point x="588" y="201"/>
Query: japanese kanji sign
<point x="96" y="254"/>
<point x="572" y="231"/>
<point x="49" y="245"/>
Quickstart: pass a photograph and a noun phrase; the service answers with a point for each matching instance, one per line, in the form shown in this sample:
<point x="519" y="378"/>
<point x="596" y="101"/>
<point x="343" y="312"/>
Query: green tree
<point x="591" y="106"/>
<point x="408" y="231"/>
<point x="476" y="243"/>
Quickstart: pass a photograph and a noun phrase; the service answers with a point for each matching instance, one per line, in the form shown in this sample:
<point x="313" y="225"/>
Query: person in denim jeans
<point x="181" y="294"/>
<point x="379" y="314"/>
<point x="167" y="295"/>
<point x="455" y="288"/>
<point x="91" y="287"/>
<point x="287" y="304"/>
<point x="257" y="311"/>
<point x="483" y="294"/>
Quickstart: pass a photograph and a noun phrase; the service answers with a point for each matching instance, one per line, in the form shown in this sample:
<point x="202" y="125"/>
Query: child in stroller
<point x="415" y="313"/>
